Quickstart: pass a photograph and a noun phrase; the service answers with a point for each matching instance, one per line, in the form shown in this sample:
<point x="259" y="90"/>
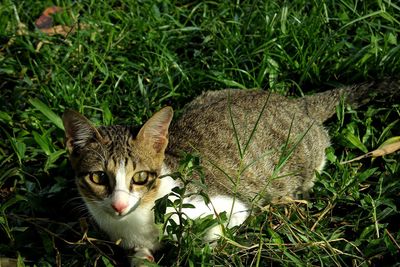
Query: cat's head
<point x="116" y="167"/>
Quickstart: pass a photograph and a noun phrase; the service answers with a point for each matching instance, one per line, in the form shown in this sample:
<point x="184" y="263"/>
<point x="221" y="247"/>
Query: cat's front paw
<point x="141" y="256"/>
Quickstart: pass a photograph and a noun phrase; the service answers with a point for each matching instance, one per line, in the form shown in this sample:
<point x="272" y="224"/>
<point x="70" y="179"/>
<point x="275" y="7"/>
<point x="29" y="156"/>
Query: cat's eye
<point x="99" y="178"/>
<point x="142" y="177"/>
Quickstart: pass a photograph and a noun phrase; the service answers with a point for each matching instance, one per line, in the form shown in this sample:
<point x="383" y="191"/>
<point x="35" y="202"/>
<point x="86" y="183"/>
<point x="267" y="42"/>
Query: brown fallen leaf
<point x="389" y="146"/>
<point x="59" y="29"/>
<point x="45" y="21"/>
<point x="52" y="10"/>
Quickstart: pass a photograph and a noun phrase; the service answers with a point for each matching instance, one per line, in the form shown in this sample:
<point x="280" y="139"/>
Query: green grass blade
<point x="42" y="107"/>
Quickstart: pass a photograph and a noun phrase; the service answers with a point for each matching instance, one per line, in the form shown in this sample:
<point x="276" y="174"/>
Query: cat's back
<point x="243" y="133"/>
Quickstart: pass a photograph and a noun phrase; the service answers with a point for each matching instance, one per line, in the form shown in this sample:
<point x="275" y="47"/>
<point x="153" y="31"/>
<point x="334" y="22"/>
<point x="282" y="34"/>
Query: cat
<point x="255" y="147"/>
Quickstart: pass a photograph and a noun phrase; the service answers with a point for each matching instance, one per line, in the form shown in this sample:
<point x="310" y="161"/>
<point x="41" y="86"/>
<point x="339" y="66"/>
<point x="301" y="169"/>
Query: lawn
<point x="117" y="62"/>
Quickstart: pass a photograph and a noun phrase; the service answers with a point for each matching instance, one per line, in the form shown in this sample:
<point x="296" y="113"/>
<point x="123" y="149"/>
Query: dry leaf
<point x="52" y="10"/>
<point x="45" y="21"/>
<point x="59" y="29"/>
<point x="389" y="146"/>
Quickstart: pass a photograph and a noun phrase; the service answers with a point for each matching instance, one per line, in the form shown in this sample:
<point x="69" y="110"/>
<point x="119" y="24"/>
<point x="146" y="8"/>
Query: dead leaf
<point x="52" y="10"/>
<point x="45" y="21"/>
<point x="59" y="29"/>
<point x="389" y="146"/>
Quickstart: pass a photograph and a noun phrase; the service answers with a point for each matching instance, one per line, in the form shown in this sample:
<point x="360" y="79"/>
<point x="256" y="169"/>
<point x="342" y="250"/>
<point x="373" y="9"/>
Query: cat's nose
<point x="119" y="206"/>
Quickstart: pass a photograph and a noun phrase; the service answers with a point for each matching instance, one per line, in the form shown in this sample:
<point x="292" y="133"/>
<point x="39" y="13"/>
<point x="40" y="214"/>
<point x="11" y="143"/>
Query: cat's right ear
<point x="154" y="133"/>
<point x="79" y="131"/>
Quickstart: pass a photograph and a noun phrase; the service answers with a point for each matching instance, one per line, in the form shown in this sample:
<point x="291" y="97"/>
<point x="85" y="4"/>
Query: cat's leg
<point x="236" y="210"/>
<point x="140" y="256"/>
<point x="217" y="231"/>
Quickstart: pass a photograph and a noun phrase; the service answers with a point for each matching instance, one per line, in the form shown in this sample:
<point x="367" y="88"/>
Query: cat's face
<point x="116" y="169"/>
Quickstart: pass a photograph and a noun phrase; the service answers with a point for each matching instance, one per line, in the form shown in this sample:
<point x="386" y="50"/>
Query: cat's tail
<point x="322" y="106"/>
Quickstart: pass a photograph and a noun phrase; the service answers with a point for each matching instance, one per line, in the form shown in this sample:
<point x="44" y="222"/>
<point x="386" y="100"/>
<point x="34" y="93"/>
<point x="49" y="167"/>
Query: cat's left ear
<point x="154" y="133"/>
<point x="79" y="131"/>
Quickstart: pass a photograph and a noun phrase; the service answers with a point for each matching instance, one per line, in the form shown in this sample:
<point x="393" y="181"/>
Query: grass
<point x="133" y="57"/>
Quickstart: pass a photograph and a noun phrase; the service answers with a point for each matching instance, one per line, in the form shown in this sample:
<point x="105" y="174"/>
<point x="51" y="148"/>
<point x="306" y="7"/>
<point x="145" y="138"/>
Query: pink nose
<point x="119" y="206"/>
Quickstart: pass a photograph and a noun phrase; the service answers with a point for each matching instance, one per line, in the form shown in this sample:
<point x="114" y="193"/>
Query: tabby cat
<point x="255" y="147"/>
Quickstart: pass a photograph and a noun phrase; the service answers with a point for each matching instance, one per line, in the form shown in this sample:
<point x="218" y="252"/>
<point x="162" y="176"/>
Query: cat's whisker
<point x="71" y="201"/>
